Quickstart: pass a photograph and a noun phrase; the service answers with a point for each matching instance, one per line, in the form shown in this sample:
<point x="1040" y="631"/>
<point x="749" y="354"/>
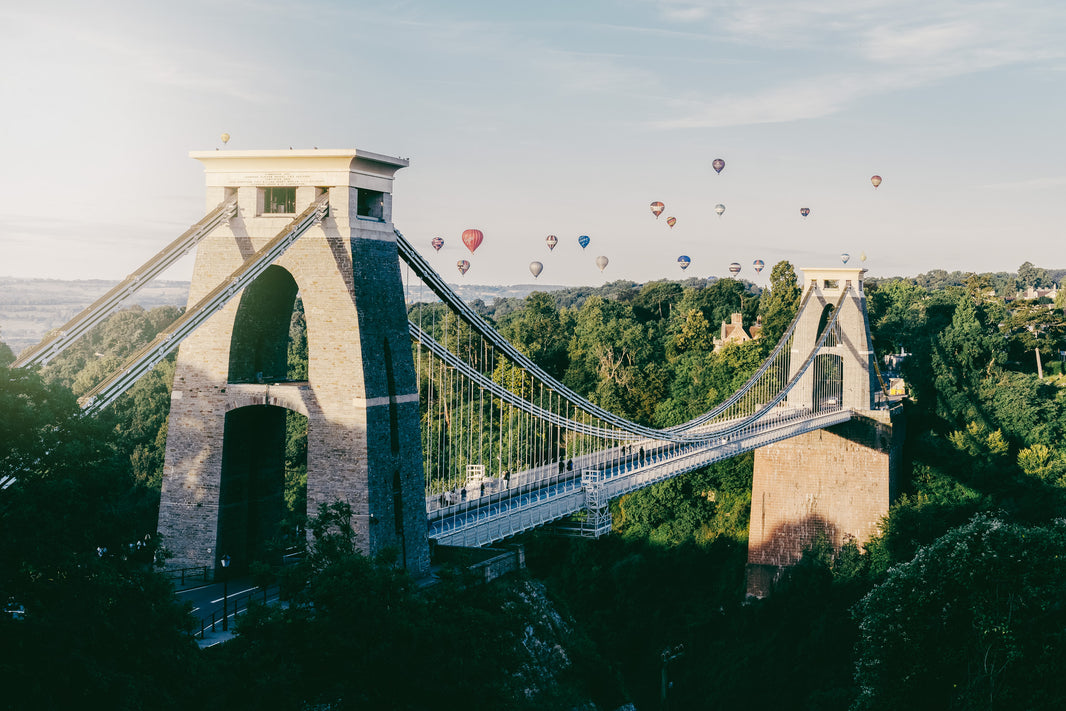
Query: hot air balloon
<point x="601" y="262"/>
<point x="535" y="268"/>
<point x="437" y="243"/>
<point x="876" y="180"/>
<point x="671" y="221"/>
<point x="551" y="241"/>
<point x="583" y="240"/>
<point x="734" y="268"/>
<point x="758" y="264"/>
<point x="718" y="164"/>
<point x="463" y="266"/>
<point x="719" y="208"/>
<point x="862" y="257"/>
<point x="844" y="257"/>
<point x="472" y="239"/>
<point x="683" y="262"/>
<point x="225" y="137"/>
<point x="657" y="208"/>
<point x="804" y="211"/>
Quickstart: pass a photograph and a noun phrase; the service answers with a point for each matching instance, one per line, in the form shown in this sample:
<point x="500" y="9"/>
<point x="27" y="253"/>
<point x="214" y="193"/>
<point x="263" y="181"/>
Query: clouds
<point x="852" y="50"/>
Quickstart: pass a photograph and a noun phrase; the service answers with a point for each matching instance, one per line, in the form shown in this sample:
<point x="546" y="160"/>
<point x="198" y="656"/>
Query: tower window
<point x="279" y="201"/>
<point x="371" y="204"/>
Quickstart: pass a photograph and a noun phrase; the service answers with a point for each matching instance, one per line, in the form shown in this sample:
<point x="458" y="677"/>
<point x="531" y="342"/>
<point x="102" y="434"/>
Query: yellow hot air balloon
<point x="225" y="138"/>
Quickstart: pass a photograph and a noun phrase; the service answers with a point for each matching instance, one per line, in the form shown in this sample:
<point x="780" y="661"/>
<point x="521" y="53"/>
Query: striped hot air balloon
<point x="437" y="243"/>
<point x="472" y="239"/>
<point x="671" y="221"/>
<point x="551" y="241"/>
<point x="734" y="268"/>
<point x="657" y="208"/>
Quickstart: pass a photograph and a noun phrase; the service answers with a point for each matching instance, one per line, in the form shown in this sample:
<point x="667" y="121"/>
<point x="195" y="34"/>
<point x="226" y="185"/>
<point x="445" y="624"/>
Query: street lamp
<point x="225" y="560"/>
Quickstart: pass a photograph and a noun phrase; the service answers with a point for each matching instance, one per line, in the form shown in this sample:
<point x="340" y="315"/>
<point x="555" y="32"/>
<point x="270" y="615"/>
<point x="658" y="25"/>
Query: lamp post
<point x="225" y="560"/>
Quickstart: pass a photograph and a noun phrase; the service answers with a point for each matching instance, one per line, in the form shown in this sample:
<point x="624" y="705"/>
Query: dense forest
<point x="957" y="604"/>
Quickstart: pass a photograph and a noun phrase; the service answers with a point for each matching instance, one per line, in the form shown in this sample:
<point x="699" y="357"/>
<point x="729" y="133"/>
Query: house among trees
<point x="1038" y="293"/>
<point x="733" y="331"/>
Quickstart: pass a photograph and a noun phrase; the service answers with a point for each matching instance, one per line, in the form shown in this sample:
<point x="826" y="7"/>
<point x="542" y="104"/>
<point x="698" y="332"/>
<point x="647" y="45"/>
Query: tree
<point x="973" y="621"/>
<point x="778" y="306"/>
<point x="76" y="555"/>
<point x="540" y="332"/>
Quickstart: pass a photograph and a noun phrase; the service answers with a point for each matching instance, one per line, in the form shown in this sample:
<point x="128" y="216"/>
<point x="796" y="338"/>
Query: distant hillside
<point x="30" y="308"/>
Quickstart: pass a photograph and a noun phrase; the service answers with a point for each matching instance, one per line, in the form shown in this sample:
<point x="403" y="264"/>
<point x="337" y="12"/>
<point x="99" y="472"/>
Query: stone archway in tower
<point x="262" y="491"/>
<point x="259" y="346"/>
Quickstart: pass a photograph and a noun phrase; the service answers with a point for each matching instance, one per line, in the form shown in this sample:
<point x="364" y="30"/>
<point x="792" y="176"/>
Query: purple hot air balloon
<point x="683" y="261"/>
<point x="437" y="243"/>
<point x="718" y="164"/>
<point x="551" y="241"/>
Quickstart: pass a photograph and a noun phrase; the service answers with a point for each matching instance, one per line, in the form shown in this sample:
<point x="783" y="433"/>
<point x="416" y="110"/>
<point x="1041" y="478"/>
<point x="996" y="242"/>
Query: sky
<point x="537" y="118"/>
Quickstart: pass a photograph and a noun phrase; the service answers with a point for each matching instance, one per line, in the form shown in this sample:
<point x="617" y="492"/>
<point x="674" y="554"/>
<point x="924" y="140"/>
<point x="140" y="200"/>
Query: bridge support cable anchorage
<point x="103" y="307"/>
<point x="171" y="337"/>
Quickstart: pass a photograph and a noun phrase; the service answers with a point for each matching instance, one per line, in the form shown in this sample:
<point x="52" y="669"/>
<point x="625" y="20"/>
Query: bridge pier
<point x="837" y="482"/>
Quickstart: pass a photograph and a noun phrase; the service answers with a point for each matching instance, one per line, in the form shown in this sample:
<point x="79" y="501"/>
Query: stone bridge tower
<point x="836" y="482"/>
<point x="234" y="388"/>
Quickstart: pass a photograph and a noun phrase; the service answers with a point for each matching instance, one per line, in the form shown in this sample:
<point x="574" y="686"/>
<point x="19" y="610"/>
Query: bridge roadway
<point x="533" y="502"/>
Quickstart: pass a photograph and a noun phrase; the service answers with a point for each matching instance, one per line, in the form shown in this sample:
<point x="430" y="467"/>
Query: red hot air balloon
<point x="734" y="268"/>
<point x="718" y="164"/>
<point x="805" y="211"/>
<point x="472" y="239"/>
<point x="463" y="265"/>
<point x="671" y="221"/>
<point x="876" y="180"/>
<point x="657" y="208"/>
<point x="551" y="241"/>
<point x="437" y="243"/>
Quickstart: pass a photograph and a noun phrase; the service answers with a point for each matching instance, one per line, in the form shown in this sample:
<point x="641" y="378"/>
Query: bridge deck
<point x="485" y="519"/>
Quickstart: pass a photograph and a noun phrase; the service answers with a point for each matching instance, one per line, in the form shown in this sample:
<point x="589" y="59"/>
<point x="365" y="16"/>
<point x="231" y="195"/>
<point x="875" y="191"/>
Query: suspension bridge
<point x="419" y="414"/>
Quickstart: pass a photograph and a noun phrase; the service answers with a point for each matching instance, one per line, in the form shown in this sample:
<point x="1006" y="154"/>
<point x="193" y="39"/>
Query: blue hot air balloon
<point x="583" y="240"/>
<point x="683" y="262"/>
<point x="758" y="264"/>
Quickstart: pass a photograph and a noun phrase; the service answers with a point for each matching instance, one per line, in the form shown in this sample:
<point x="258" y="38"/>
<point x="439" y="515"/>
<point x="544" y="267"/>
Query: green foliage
<point x="356" y="631"/>
<point x="96" y="627"/>
<point x="973" y="621"/>
<point x="778" y="306"/>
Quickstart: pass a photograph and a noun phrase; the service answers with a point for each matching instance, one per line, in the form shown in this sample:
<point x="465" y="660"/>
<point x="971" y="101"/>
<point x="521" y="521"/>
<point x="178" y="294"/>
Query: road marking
<point x="234" y="594"/>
